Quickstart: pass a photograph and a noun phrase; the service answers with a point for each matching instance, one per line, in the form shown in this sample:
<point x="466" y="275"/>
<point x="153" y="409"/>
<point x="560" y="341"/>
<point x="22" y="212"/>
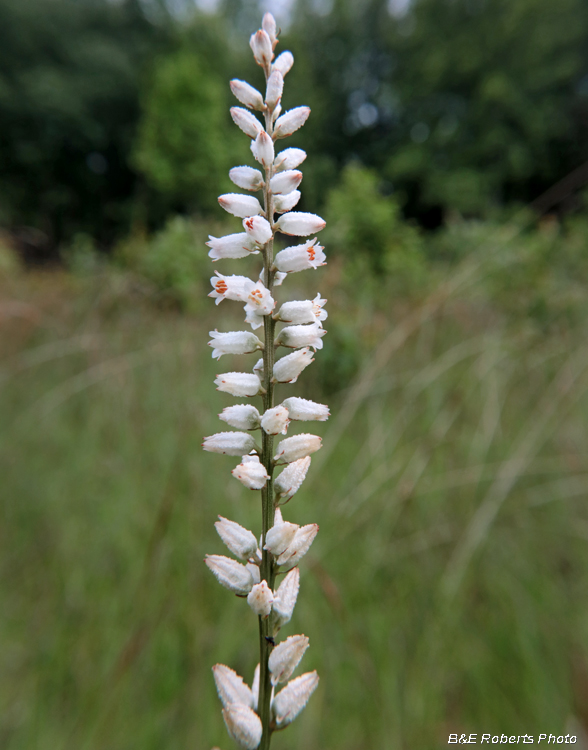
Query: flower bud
<point x="304" y="410"/>
<point x="258" y="367"/>
<point x="230" y="687"/>
<point x="269" y="26"/>
<point x="253" y="568"/>
<point x="277" y="112"/>
<point x="246" y="94"/>
<point x="280" y="537"/>
<point x="286" y="656"/>
<point x="248" y="123"/>
<point x="230" y="574"/>
<point x="300" y="257"/>
<point x="285" y="599"/>
<point x="260" y="599"/>
<point x="275" y="421"/>
<point x="238" y="384"/>
<point x="244" y="725"/>
<point x="230" y="287"/>
<point x="247" y="178"/>
<point x="290" y="701"/>
<point x="241" y="416"/>
<point x="283" y="62"/>
<point x="283" y="203"/>
<point x="285" y="182"/>
<point x="258" y="228"/>
<point x="251" y="472"/>
<point x="241" y="205"/>
<point x="299" y="224"/>
<point x="294" y="337"/>
<point x="233" y="342"/>
<point x="232" y="246"/>
<point x="295" y="447"/>
<point x="229" y="443"/>
<point x="288" y="368"/>
<point x="239" y="540"/>
<point x="289" y="158"/>
<point x="299" y="546"/>
<point x="303" y="311"/>
<point x="261" y="47"/>
<point x="289" y="481"/>
<point x="275" y="86"/>
<point x="264" y="149"/>
<point x="289" y="122"/>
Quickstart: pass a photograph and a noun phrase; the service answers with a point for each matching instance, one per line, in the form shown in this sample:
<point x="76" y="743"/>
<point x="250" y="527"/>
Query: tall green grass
<point x="447" y="585"/>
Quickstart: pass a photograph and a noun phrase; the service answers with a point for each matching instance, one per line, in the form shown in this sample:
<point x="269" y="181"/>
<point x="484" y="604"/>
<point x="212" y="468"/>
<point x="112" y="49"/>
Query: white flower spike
<point x="251" y="715"/>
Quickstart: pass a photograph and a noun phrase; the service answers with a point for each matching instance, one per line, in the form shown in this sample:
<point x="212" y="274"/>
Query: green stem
<point x="267" y="493"/>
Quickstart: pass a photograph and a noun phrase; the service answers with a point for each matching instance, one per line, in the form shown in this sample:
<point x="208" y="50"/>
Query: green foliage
<point x="173" y="260"/>
<point x="366" y="229"/>
<point x="185" y="143"/>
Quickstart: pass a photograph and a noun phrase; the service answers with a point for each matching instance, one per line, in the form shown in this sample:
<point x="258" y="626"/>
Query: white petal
<point x="230" y="287"/>
<point x="230" y="574"/>
<point x="289" y="122"/>
<point x="288" y="368"/>
<point x="251" y="472"/>
<point x="248" y="123"/>
<point x="290" y="701"/>
<point x="264" y="149"/>
<point x="290" y="480"/>
<point x="285" y="182"/>
<point x="300" y="257"/>
<point x="275" y="86"/>
<point x="304" y="410"/>
<point x="297" y="446"/>
<point x="295" y="337"/>
<point x="238" y="539"/>
<point x="285" y="599"/>
<point x="258" y="228"/>
<point x="275" y="421"/>
<point x="231" y="246"/>
<point x="283" y="62"/>
<point x="240" y="205"/>
<point x="241" y="416"/>
<point x="238" y="384"/>
<point x="247" y="178"/>
<point x="289" y="158"/>
<point x="280" y="537"/>
<point x="260" y="599"/>
<point x="233" y="342"/>
<point x="229" y="443"/>
<point x="244" y="725"/>
<point x="286" y="656"/>
<point x="246" y="94"/>
<point x="261" y="47"/>
<point x="230" y="687"/>
<point x="300" y="224"/>
<point x="269" y="26"/>
<point x="299" y="546"/>
<point x="283" y="203"/>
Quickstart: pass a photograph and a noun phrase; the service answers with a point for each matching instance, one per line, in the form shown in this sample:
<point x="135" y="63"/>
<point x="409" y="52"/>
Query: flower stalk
<point x="252" y="714"/>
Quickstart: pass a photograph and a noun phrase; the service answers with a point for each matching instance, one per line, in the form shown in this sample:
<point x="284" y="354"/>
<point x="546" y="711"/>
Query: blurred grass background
<point x="446" y="589"/>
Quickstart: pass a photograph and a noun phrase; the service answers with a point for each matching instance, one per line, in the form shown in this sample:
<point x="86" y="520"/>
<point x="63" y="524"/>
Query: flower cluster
<point x="252" y="714"/>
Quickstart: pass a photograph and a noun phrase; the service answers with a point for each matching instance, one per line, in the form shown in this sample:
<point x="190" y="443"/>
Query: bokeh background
<point x="448" y="151"/>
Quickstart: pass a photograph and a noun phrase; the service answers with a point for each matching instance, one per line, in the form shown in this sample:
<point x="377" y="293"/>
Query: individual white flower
<point x="303" y="311"/>
<point x="279" y="278"/>
<point x="295" y="337"/>
<point x="299" y="546"/>
<point x="300" y="257"/>
<point x="259" y="302"/>
<point x="238" y="384"/>
<point x="299" y="224"/>
<point x="289" y="481"/>
<point x="261" y="47"/>
<point x="280" y="536"/>
<point x="247" y="178"/>
<point x="251" y="472"/>
<point x="285" y="182"/>
<point x="286" y="656"/>
<point x="233" y="342"/>
<point x="283" y="203"/>
<point x="283" y="62"/>
<point x="258" y="228"/>
<point x="232" y="246"/>
<point x="229" y="443"/>
<point x="288" y="368"/>
<point x="240" y="541"/>
<point x="244" y="725"/>
<point x="285" y="599"/>
<point x="241" y="416"/>
<point x="230" y="574"/>
<point x="268" y="24"/>
<point x="240" y="205"/>
<point x="275" y="421"/>
<point x="248" y="123"/>
<point x="230" y="287"/>
<point x="289" y="158"/>
<point x="264" y="149"/>
<point x="246" y="94"/>
<point x="305" y="411"/>
<point x="289" y="122"/>
<point x="260" y="599"/>
<point x="275" y="86"/>
<point x="290" y="701"/>
<point x="230" y="687"/>
<point x="295" y="447"/>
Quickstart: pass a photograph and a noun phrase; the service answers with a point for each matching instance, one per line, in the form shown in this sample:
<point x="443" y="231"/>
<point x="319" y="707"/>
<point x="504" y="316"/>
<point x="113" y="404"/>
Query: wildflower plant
<point x="253" y="713"/>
